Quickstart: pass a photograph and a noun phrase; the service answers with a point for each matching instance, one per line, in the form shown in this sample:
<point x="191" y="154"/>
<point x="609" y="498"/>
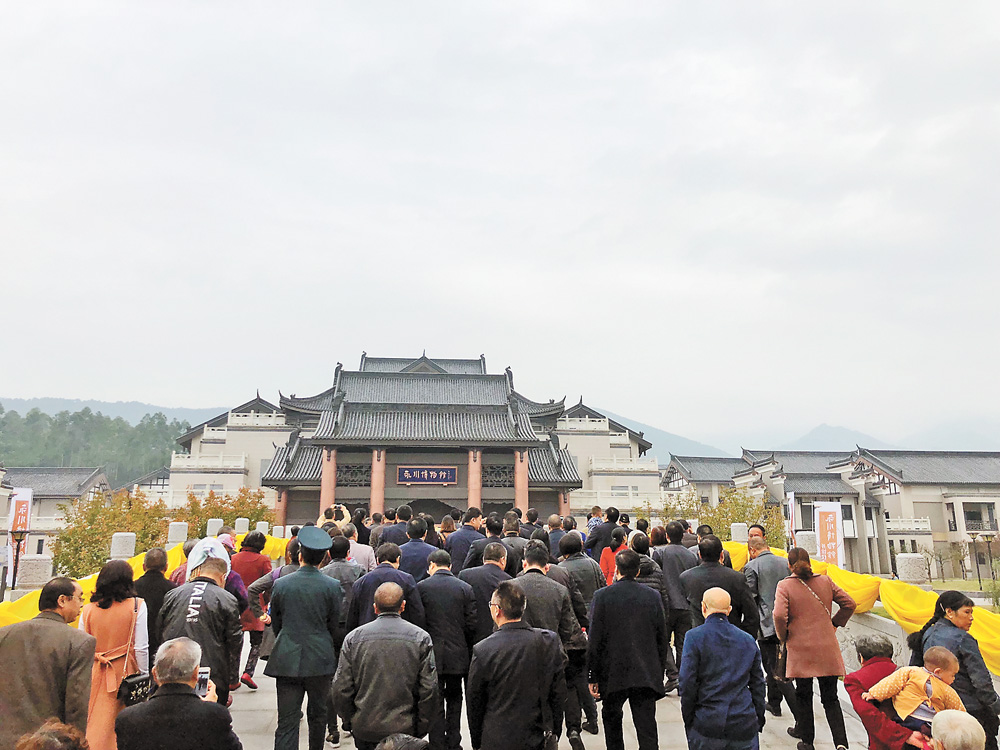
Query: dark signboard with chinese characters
<point x="426" y="475"/>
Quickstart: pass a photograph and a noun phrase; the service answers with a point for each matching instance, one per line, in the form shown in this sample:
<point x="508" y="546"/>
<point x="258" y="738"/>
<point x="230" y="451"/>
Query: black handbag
<point x="135" y="687"/>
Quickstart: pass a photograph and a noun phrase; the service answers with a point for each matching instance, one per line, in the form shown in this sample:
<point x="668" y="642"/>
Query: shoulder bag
<point x="135" y="687"/>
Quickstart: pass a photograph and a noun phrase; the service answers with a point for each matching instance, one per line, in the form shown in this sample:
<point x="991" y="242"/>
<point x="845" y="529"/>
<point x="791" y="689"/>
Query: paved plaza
<point x="255" y="718"/>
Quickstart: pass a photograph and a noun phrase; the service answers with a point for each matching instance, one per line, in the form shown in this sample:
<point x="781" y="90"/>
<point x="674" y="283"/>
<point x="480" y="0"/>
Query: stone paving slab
<point x="255" y="718"/>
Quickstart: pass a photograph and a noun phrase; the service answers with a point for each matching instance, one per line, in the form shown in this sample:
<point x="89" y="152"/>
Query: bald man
<point x="386" y="681"/>
<point x="719" y="664"/>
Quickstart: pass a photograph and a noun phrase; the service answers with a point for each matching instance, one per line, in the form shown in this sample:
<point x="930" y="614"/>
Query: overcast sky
<point x="720" y="219"/>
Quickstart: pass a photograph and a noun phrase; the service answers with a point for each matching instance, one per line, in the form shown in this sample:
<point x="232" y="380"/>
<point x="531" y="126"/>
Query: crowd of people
<point x="388" y="627"/>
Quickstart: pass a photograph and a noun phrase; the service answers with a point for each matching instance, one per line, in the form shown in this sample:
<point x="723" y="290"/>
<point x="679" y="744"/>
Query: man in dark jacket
<point x="305" y="616"/>
<point x="600" y="537"/>
<point x="713" y="574"/>
<point x="651" y="575"/>
<point x="396" y="533"/>
<point x="386" y="681"/>
<point x="494" y="528"/>
<point x="548" y="605"/>
<point x="152" y="586"/>
<point x="674" y="559"/>
<point x="450" y="609"/>
<point x="706" y="530"/>
<point x="206" y="613"/>
<point x="689" y="538"/>
<point x="722" y="686"/>
<point x="514" y="541"/>
<point x="375" y="539"/>
<point x="484" y="580"/>
<point x="627" y="653"/>
<point x="458" y="543"/>
<point x="175" y="716"/>
<point x="413" y="555"/>
<point x="516" y="683"/>
<point x="556" y="533"/>
<point x="531" y="524"/>
<point x="585" y="571"/>
<point x="362" y="607"/>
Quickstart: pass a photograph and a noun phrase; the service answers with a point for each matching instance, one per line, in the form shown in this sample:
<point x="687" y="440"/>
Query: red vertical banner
<point x="22" y="515"/>
<point x="828" y="537"/>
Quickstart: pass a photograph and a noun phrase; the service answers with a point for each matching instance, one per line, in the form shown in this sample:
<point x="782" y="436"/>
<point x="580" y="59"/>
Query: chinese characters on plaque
<point x="426" y="475"/>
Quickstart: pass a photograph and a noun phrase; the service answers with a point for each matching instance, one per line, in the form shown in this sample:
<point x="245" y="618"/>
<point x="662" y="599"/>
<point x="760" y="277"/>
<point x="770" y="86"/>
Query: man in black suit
<point x="396" y="533"/>
<point x="484" y="580"/>
<point x="516" y="683"/>
<point x="458" y="542"/>
<point x="494" y="528"/>
<point x="711" y="573"/>
<point x="703" y="531"/>
<point x="531" y="524"/>
<point x="627" y="630"/>
<point x="362" y="609"/>
<point x="175" y="717"/>
<point x="151" y="587"/>
<point x="601" y="536"/>
<point x="450" y="610"/>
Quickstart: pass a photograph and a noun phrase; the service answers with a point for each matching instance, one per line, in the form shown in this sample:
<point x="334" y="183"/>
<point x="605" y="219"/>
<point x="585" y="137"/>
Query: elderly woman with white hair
<point x="957" y="730"/>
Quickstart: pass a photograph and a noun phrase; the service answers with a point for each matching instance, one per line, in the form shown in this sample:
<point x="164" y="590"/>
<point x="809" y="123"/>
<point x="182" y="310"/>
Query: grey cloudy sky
<point x="722" y="219"/>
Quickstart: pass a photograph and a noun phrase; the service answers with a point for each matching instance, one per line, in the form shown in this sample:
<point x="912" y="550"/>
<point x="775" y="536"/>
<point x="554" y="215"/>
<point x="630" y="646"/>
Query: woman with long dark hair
<point x="804" y="622"/>
<point x="949" y="627"/>
<point x="358" y="519"/>
<point x="116" y="617"/>
<point x="608" y="553"/>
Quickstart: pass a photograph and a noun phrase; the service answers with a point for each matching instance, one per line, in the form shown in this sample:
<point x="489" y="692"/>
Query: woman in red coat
<point x="875" y="653"/>
<point x="609" y="552"/>
<point x="805" y="623"/>
<point x="251" y="565"/>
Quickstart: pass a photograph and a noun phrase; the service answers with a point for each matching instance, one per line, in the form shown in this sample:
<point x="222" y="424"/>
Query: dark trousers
<point x="446" y="730"/>
<point x="990" y="723"/>
<point x="678" y="624"/>
<point x="291" y="690"/>
<point x="776" y="689"/>
<point x="642" y="702"/>
<point x="804" y="720"/>
<point x="576" y="689"/>
<point x="256" y="638"/>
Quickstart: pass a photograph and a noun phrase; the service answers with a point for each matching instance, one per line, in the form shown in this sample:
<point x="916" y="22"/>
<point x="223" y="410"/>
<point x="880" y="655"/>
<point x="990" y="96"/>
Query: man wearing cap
<point x="305" y="617"/>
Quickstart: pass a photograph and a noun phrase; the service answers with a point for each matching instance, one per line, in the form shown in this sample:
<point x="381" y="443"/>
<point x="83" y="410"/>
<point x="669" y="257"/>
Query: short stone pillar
<point x="262" y="527"/>
<point x="911" y="567"/>
<point x="807" y="541"/>
<point x="278" y="532"/>
<point x="177" y="532"/>
<point x="214" y="524"/>
<point x="739" y="532"/>
<point x="122" y="545"/>
<point x="242" y="525"/>
<point x="33" y="571"/>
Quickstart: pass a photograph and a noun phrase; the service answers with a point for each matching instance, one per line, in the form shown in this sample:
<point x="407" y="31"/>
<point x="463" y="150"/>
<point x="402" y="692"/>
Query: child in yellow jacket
<point x="918" y="693"/>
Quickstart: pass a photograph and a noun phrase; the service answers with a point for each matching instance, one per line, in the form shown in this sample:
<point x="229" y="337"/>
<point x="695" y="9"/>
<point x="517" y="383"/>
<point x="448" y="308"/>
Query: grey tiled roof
<point x="797" y="462"/>
<point x="423" y="388"/>
<point x="537" y="409"/>
<point x="707" y="469"/>
<point x="297" y="463"/>
<point x="376" y="423"/>
<point x="938" y="467"/>
<point x="398" y="364"/>
<point x="818" y="484"/>
<point x="549" y="467"/>
<point x="161" y="473"/>
<point x="319" y="402"/>
<point x="56" y="481"/>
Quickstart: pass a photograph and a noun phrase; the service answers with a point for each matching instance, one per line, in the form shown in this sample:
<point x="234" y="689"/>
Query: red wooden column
<point x="377" y="504"/>
<point x="475" y="477"/>
<point x="521" y="479"/>
<point x="328" y="480"/>
<point x="281" y="509"/>
<point x="564" y="503"/>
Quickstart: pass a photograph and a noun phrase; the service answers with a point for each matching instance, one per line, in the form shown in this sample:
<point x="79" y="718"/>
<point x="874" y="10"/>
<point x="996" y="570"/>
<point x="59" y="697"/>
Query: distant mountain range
<point x="830" y="438"/>
<point x="130" y="411"/>
<point x="665" y="443"/>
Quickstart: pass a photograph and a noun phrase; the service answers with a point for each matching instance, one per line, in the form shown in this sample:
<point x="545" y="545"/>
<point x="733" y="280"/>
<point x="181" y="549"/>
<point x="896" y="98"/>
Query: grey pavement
<point x="255" y="717"/>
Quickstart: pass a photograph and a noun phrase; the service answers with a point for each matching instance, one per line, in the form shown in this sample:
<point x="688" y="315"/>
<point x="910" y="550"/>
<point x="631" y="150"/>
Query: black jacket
<point x="174" y="718"/>
<point x="561" y="575"/>
<point x="712" y="574"/>
<point x="152" y="586"/>
<point x="395" y="533"/>
<point x="547" y="605"/>
<point x="362" y="610"/>
<point x="484" y="581"/>
<point x="208" y="614"/>
<point x="450" y="611"/>
<point x="650" y="575"/>
<point x="516" y="686"/>
<point x="674" y="559"/>
<point x="599" y="539"/>
<point x="628" y="638"/>
<point x="527" y="529"/>
<point x="587" y="575"/>
<point x="474" y="557"/>
<point x="457" y="545"/>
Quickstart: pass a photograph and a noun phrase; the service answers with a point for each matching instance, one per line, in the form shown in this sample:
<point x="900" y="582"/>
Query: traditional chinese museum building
<point x="432" y="433"/>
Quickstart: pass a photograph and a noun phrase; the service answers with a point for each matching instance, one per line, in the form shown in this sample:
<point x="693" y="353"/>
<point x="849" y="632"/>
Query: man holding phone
<point x="175" y="714"/>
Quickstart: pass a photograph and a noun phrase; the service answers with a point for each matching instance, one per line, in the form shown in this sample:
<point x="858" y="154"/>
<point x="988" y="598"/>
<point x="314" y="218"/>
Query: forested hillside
<point x="87" y="438"/>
